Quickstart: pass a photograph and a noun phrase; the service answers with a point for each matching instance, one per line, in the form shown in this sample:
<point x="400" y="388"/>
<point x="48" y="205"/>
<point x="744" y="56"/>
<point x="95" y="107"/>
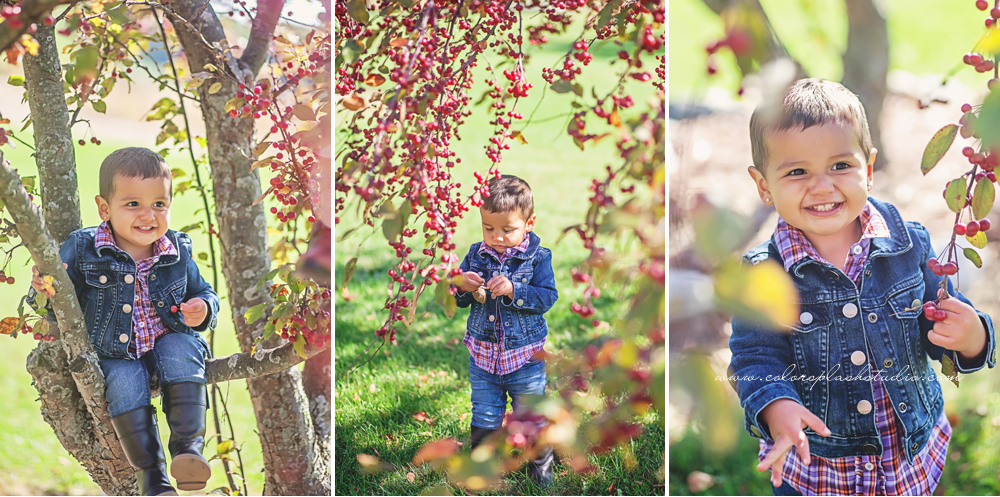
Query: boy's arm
<point x="760" y="371"/>
<point x="463" y="299"/>
<point x="197" y="287"/>
<point x="538" y="295"/>
<point x="67" y="252"/>
<point x="931" y="282"/>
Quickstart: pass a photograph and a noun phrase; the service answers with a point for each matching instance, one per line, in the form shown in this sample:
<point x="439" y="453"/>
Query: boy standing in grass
<point x="847" y="402"/>
<point x="144" y="302"/>
<point x="507" y="327"/>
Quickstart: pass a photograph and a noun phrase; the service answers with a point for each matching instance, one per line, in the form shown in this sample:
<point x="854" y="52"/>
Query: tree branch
<point x="260" y="363"/>
<point x="268" y="12"/>
<point x="32" y="11"/>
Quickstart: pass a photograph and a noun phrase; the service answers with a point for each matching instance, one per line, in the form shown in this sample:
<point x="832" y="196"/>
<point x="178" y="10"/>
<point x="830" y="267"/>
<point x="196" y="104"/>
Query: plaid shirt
<point x="145" y="322"/>
<point x="491" y="357"/>
<point x="888" y="474"/>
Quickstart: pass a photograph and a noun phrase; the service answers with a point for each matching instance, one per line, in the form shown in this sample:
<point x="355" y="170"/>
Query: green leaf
<point x="973" y="256"/>
<point x="203" y="256"/>
<point x="605" y="17"/>
<point x="562" y="86"/>
<point x="578" y="89"/>
<point x="41" y="301"/>
<point x="300" y="345"/>
<point x="982" y="198"/>
<point x="358" y="10"/>
<point x="948" y="369"/>
<point x="190" y="227"/>
<point x="99" y="106"/>
<point x="255" y="312"/>
<point x="937" y="147"/>
<point x="978" y="241"/>
<point x="28" y="182"/>
<point x="349" y="269"/>
<point x="441" y="292"/>
<point x="391" y="221"/>
<point x="15" y="80"/>
<point x="954" y="194"/>
<point x="450" y="306"/>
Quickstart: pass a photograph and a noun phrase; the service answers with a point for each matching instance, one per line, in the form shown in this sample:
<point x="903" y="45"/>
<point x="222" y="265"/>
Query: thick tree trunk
<point x="866" y="63"/>
<point x="295" y="462"/>
<point x="54" y="153"/>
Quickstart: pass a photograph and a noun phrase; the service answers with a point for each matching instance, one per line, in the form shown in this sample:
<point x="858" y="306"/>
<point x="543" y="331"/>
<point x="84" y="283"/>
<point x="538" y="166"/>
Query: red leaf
<point x="422" y="416"/>
<point x="438" y="449"/>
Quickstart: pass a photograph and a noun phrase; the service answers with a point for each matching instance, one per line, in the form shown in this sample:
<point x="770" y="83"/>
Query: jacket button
<point x="868" y="272"/>
<point x="869" y="466"/>
<point x="123" y="338"/>
<point x="492" y="318"/>
<point x="159" y="304"/>
<point x="520" y="302"/>
<point x="872" y="317"/>
<point x="914" y="446"/>
<point x="496" y="273"/>
<point x="507" y="323"/>
<point x="126" y="308"/>
<point x="152" y="276"/>
<point x="864" y="407"/>
<point x="524" y="280"/>
<point x="850" y="310"/>
<point x="858" y="358"/>
<point x="129" y="278"/>
<point x="915" y="303"/>
<point x="887" y="363"/>
<point x="103" y="279"/>
<point x="869" y="448"/>
<point x="856" y="249"/>
<point x="902" y="407"/>
<point x="805" y="318"/>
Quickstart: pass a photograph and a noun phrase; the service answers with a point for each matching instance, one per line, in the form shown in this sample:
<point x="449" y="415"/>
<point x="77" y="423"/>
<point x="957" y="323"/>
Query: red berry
<point x="10" y="280"/>
<point x="960" y="229"/>
<point x="82" y="142"/>
<point x="972" y="229"/>
<point x="931" y="263"/>
<point x="173" y="308"/>
<point x="938" y="270"/>
<point x="37" y="336"/>
<point x="968" y="151"/>
<point x="995" y="12"/>
<point x="940" y="315"/>
<point x="982" y="4"/>
<point x="984" y="225"/>
<point x="929" y="310"/>
<point x="966" y="108"/>
<point x="951" y="268"/>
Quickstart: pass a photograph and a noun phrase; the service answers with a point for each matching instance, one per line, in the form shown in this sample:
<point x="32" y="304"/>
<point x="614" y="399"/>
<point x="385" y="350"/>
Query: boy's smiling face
<point x="818" y="180"/>
<point x="138" y="211"/>
<point x="503" y="230"/>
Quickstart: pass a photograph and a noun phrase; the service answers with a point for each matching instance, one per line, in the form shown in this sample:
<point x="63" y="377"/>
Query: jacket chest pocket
<point x="522" y="274"/>
<point x="811" y="349"/>
<point x="906" y="324"/>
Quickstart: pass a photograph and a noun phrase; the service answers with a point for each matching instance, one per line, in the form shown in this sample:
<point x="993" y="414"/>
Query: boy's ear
<point x="103" y="209"/>
<point x="531" y="222"/>
<point x="761" y="182"/>
<point x="871" y="166"/>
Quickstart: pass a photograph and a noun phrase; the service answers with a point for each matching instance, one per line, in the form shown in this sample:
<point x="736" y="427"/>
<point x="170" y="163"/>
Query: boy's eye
<point x="132" y="203"/>
<point x="160" y="204"/>
<point x="840" y="166"/>
<point x="508" y="231"/>
<point x="796" y="172"/>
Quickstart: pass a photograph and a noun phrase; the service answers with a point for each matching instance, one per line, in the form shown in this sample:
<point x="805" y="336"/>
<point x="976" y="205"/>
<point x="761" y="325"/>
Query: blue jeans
<point x="490" y="391"/>
<point x="785" y="489"/>
<point x="176" y="358"/>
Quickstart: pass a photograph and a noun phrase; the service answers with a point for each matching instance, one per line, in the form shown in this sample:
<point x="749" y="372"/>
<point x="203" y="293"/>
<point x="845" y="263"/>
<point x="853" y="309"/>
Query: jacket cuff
<point x="760" y="399"/>
<point x="988" y="358"/>
<point x="510" y="301"/>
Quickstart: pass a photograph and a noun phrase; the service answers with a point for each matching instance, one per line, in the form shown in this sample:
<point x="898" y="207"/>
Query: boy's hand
<point x="194" y="311"/>
<point x="961" y="331"/>
<point x="786" y="419"/>
<point x="499" y="285"/>
<point x="39" y="285"/>
<point x="471" y="281"/>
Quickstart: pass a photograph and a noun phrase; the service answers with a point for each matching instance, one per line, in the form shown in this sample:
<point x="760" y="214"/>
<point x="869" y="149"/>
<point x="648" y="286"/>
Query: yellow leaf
<point x="232" y="103"/>
<point x="398" y="42"/>
<point x="29" y="44"/>
<point x="214" y="88"/>
<point x="47" y="285"/>
<point x="517" y="135"/>
<point x="261" y="148"/>
<point x="263" y="162"/>
<point x="7" y="325"/>
<point x="375" y="80"/>
<point x="764" y="292"/>
<point x="989" y="43"/>
<point x="354" y="102"/>
<point x="224" y="447"/>
<point x="303" y="112"/>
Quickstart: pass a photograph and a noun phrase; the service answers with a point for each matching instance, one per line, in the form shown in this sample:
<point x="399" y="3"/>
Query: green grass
<point x="30" y="453"/>
<point x="925" y="36"/>
<point x="973" y="453"/>
<point x="559" y="174"/>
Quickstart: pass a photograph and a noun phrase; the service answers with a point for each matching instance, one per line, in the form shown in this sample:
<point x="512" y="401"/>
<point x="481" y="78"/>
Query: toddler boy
<point x="507" y="327"/>
<point x="144" y="302"/>
<point x="850" y="390"/>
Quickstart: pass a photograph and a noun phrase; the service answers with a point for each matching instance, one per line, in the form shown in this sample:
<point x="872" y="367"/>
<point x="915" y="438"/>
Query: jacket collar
<point x="166" y="259"/>
<point x="533" y="244"/>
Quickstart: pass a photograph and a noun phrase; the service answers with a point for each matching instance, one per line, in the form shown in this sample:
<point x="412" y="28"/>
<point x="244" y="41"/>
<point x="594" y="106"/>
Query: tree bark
<point x="295" y="462"/>
<point x="866" y="63"/>
<point x="54" y="152"/>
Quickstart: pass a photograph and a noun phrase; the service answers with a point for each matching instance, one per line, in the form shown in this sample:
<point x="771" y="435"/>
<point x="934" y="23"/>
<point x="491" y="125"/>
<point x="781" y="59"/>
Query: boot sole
<point x="191" y="471"/>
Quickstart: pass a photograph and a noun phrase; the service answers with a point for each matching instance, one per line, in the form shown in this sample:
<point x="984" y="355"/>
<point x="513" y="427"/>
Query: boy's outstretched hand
<point x="39" y="285"/>
<point x="194" y="311"/>
<point x="961" y="331"/>
<point x="786" y="418"/>
<point x="471" y="281"/>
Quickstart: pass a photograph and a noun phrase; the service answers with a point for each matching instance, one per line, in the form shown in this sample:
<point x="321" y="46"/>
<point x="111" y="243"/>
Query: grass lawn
<point x="32" y="459"/>
<point x="428" y="370"/>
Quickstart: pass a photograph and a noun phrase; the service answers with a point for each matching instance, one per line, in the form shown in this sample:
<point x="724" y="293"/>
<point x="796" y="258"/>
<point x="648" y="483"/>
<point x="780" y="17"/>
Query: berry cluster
<point x="4" y="278"/>
<point x="949" y="268"/>
<point x="932" y="313"/>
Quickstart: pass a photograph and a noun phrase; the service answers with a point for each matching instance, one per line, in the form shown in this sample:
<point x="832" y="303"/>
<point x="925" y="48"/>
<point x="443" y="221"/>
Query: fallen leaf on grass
<point x="699" y="482"/>
<point x="463" y="416"/>
<point x="438" y="449"/>
<point x="369" y="463"/>
<point x="442" y="373"/>
<point x="372" y="388"/>
<point x="422" y="416"/>
<point x="425" y="433"/>
<point x="410" y="476"/>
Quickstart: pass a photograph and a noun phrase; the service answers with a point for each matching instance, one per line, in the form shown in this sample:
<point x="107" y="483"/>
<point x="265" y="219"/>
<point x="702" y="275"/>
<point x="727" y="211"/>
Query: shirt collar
<point x="794" y="246"/>
<point x="522" y="247"/>
<point x="105" y="237"/>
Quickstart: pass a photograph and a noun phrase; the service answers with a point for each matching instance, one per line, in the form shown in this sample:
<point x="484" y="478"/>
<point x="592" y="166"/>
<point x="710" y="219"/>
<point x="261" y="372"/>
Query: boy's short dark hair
<point x="806" y="103"/>
<point x="507" y="193"/>
<point x="132" y="162"/>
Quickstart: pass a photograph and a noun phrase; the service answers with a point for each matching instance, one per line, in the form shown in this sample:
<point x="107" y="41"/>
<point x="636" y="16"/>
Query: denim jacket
<point x="837" y="322"/>
<point x="172" y="280"/>
<point x="534" y="293"/>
